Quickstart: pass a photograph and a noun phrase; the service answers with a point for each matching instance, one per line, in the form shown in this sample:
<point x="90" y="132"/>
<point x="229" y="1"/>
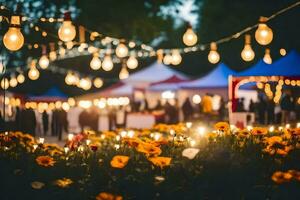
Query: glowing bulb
<point x="67" y="31"/>
<point x="33" y="73"/>
<point x="247" y="53"/>
<point x="13" y="38"/>
<point x="107" y="63"/>
<point x="263" y="34"/>
<point x="20" y="78"/>
<point x="13" y="82"/>
<point x="70" y="136"/>
<point x="44" y="62"/>
<point x="95" y="63"/>
<point x="201" y="131"/>
<point x="132" y="62"/>
<point x="121" y="50"/>
<point x="85" y="83"/>
<point x="213" y="56"/>
<point x="282" y="52"/>
<point x="98" y="83"/>
<point x="124" y="73"/>
<point x="167" y="59"/>
<point x="189" y="37"/>
<point x="4" y="83"/>
<point x="176" y="57"/>
<point x="196" y="99"/>
<point x="267" y="58"/>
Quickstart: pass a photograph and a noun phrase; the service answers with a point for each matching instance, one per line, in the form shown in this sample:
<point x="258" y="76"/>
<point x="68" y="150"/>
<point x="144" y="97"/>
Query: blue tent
<point x="217" y="78"/>
<point x="288" y="65"/>
<point x="53" y="94"/>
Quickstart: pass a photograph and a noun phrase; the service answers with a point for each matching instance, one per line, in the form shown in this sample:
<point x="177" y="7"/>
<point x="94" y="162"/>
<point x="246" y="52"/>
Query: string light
<point x="247" y="53"/>
<point x="85" y="83"/>
<point x="33" y="72"/>
<point x="132" y="62"/>
<point x="282" y="52"/>
<point x="267" y="57"/>
<point x="121" y="50"/>
<point x="213" y="56"/>
<point x="124" y="73"/>
<point x="176" y="57"/>
<point x="4" y="83"/>
<point x="167" y="59"/>
<point x="13" y="82"/>
<point x="20" y="78"/>
<point x="107" y="63"/>
<point x="98" y="82"/>
<point x="67" y="31"/>
<point x="44" y="62"/>
<point x="95" y="63"/>
<point x="13" y="38"/>
<point x="189" y="37"/>
<point x="263" y="34"/>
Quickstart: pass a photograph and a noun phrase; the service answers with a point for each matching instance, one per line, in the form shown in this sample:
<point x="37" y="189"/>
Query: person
<point x="222" y="109"/>
<point x="270" y="111"/>
<point x="73" y="119"/>
<point x="59" y="123"/>
<point x="286" y="105"/>
<point x="45" y="119"/>
<point x="251" y="106"/>
<point x="207" y="103"/>
<point x="261" y="109"/>
<point x="187" y="110"/>
<point x="28" y="121"/>
<point x="240" y="105"/>
<point x="83" y="119"/>
<point x="2" y="126"/>
<point x="93" y="119"/>
<point x="18" y="119"/>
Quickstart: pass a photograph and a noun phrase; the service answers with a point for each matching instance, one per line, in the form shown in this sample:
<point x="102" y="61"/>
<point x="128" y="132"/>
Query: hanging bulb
<point x="98" y="82"/>
<point x="69" y="79"/>
<point x="69" y="45"/>
<point x="85" y="83"/>
<point x="4" y="83"/>
<point x="263" y="34"/>
<point x="107" y="63"/>
<point x="247" y="53"/>
<point x="176" y="57"/>
<point x="13" y="82"/>
<point x="132" y="62"/>
<point x="213" y="56"/>
<point x="67" y="31"/>
<point x="121" y="50"/>
<point x="13" y="38"/>
<point x="33" y="72"/>
<point x="20" y="78"/>
<point x="95" y="63"/>
<point x="189" y="37"/>
<point x="124" y="73"/>
<point x="62" y="51"/>
<point x="167" y="59"/>
<point x="282" y="52"/>
<point x="267" y="58"/>
<point x="44" y="62"/>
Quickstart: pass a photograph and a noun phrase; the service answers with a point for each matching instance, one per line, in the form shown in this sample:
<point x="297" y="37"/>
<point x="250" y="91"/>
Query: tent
<point x="51" y="95"/>
<point x="217" y="78"/>
<point x="288" y="65"/>
<point x="154" y="73"/>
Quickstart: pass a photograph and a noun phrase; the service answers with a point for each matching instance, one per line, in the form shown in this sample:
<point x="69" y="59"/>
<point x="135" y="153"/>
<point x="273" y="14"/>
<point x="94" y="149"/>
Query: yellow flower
<point x="133" y="142"/>
<point x="119" y="161"/>
<point x="45" y="161"/>
<point x="108" y="196"/>
<point x="272" y="140"/>
<point x="148" y="149"/>
<point x="63" y="183"/>
<point x="222" y="126"/>
<point x="160" y="161"/>
<point x="259" y="131"/>
<point x="281" y="177"/>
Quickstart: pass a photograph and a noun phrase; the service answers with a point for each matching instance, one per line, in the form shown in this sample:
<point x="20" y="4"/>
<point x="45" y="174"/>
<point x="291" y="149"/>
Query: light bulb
<point x="52" y="55"/>
<point x="132" y="62"/>
<point x="13" y="82"/>
<point x="2" y="67"/>
<point x="69" y="45"/>
<point x="4" y="83"/>
<point x="124" y="73"/>
<point x="44" y="62"/>
<point x="263" y="34"/>
<point x="13" y="38"/>
<point x="70" y="79"/>
<point x="213" y="56"/>
<point x="267" y="58"/>
<point x="167" y="59"/>
<point x="95" y="63"/>
<point x="85" y="83"/>
<point x="282" y="52"/>
<point x="107" y="63"/>
<point x="67" y="31"/>
<point x="33" y="73"/>
<point x="98" y="83"/>
<point x="247" y="53"/>
<point x="121" y="50"/>
<point x="176" y="57"/>
<point x="189" y="37"/>
<point x="20" y="78"/>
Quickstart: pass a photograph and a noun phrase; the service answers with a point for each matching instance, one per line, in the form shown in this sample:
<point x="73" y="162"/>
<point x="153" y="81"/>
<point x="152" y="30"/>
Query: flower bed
<point x="166" y="162"/>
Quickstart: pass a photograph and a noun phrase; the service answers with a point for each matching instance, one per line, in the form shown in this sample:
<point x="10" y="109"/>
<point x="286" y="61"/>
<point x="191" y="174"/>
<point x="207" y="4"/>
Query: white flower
<point x="190" y="153"/>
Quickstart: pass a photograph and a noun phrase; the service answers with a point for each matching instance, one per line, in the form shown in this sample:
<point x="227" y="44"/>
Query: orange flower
<point x="108" y="196"/>
<point x="295" y="174"/>
<point x="272" y="140"/>
<point x="160" y="161"/>
<point x="148" y="149"/>
<point x="45" y="161"/>
<point x="119" y="161"/>
<point x="259" y="131"/>
<point x="222" y="126"/>
<point x="133" y="142"/>
<point x="63" y="183"/>
<point x="281" y="177"/>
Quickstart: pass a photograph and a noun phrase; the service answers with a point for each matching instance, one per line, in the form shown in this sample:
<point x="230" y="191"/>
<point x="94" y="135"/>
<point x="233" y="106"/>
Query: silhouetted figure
<point x="2" y="123"/>
<point x="18" y="119"/>
<point x="45" y="119"/>
<point x="83" y="119"/>
<point x="270" y="111"/>
<point x="187" y="110"/>
<point x="241" y="105"/>
<point x="261" y="109"/>
<point x="286" y="105"/>
<point x="59" y="123"/>
<point x="158" y="105"/>
<point x="251" y="106"/>
<point x="93" y="119"/>
<point x="222" y="109"/>
<point x="28" y="123"/>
